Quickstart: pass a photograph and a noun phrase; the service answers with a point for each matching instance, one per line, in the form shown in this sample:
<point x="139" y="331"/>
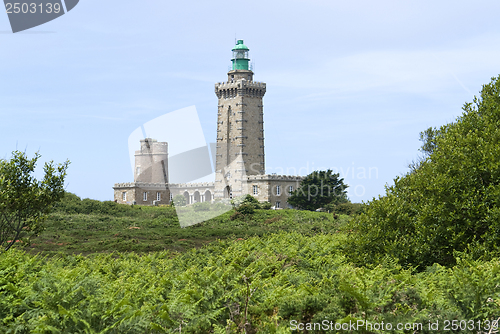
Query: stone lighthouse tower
<point x="240" y="127"/>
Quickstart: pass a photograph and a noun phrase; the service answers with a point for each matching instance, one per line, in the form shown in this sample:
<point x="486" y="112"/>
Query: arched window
<point x="208" y="196"/>
<point x="196" y="197"/>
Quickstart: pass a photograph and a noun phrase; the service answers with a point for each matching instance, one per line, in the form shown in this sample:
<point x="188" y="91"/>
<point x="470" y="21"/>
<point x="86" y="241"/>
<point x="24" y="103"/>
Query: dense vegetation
<point x="255" y="286"/>
<point x="449" y="202"/>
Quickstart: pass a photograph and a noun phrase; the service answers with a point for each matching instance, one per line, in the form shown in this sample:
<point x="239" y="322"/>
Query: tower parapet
<point x="226" y="90"/>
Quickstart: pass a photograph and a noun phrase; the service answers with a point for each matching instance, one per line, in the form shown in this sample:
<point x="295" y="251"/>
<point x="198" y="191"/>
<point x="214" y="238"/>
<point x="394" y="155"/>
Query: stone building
<point x="150" y="184"/>
<point x="240" y="154"/>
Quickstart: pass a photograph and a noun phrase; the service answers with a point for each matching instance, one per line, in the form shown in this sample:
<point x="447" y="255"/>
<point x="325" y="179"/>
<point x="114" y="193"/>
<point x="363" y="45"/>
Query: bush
<point x="72" y="204"/>
<point x="203" y="206"/>
<point x="89" y="206"/>
<point x="179" y="200"/>
<point x="348" y="208"/>
<point x="246" y="209"/>
<point x="266" y="206"/>
<point x="250" y="200"/>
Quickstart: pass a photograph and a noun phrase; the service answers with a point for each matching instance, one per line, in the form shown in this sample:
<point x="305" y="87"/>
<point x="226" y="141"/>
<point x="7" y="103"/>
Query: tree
<point x="428" y="138"/>
<point x="319" y="189"/>
<point x="450" y="203"/>
<point x="24" y="201"/>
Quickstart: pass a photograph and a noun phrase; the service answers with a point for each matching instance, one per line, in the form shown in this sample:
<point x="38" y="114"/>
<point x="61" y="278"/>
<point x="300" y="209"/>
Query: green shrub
<point x="250" y="200"/>
<point x="266" y="205"/>
<point x="70" y="203"/>
<point x="348" y="208"/>
<point x="179" y="200"/>
<point x="246" y="209"/>
<point x="203" y="206"/>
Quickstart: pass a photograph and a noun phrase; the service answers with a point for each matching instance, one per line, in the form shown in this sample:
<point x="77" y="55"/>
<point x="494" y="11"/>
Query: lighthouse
<point x="240" y="127"/>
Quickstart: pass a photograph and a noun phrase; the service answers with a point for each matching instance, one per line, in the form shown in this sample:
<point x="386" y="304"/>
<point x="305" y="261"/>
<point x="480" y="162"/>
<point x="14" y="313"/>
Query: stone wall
<point x="267" y="188"/>
<point x="141" y="193"/>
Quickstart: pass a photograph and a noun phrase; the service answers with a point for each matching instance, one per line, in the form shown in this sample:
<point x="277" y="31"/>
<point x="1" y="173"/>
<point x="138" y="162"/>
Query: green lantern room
<point x="240" y="56"/>
<point x="240" y="63"/>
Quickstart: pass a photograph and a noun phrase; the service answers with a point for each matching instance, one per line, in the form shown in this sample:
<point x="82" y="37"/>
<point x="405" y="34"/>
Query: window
<point x="145" y="196"/>
<point x="290" y="189"/>
<point x="138" y="170"/>
<point x="255" y="190"/>
<point x="278" y="191"/>
<point x="158" y="196"/>
<point x="277" y="205"/>
<point x="124" y="196"/>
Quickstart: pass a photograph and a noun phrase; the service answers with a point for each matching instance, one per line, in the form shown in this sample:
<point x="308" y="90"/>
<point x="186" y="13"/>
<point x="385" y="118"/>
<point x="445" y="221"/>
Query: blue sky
<point x="349" y="84"/>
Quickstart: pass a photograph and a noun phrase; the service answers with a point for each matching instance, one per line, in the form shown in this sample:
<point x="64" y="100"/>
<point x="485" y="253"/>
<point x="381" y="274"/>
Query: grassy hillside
<point x="91" y="226"/>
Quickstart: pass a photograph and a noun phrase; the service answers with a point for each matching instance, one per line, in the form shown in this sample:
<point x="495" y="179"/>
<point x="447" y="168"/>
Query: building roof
<point x="240" y="46"/>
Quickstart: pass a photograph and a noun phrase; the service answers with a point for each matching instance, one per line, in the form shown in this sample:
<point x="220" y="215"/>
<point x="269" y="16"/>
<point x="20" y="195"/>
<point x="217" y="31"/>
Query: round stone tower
<point x="151" y="162"/>
<point x="240" y="127"/>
